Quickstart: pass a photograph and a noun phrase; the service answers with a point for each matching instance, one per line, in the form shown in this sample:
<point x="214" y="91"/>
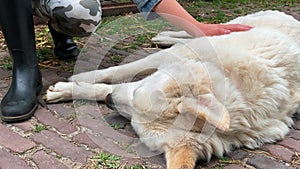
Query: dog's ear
<point x="207" y="107"/>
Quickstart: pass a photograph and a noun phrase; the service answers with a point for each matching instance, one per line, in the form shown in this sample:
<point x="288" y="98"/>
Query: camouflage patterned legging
<point x="71" y="17"/>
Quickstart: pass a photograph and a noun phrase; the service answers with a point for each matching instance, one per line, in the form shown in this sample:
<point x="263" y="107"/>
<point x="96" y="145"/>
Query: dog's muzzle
<point x="109" y="102"/>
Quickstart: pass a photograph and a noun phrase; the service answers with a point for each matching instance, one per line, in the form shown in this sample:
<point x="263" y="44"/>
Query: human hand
<point x="218" y="29"/>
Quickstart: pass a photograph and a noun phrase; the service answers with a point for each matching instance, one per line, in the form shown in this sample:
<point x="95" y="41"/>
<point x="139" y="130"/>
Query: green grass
<point x="116" y="59"/>
<point x="218" y="166"/>
<point x="129" y="32"/>
<point x="43" y="33"/>
<point x="136" y="166"/>
<point x="117" y="126"/>
<point x="7" y="63"/>
<point x="107" y="160"/>
<point x="44" y="54"/>
<point x="38" y="128"/>
<point x="224" y="161"/>
<point x="129" y="25"/>
<point x="220" y="11"/>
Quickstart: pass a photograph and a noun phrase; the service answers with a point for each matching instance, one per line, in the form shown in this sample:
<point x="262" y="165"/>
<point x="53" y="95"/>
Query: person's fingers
<point x="220" y="32"/>
<point x="221" y="29"/>
<point x="217" y="31"/>
<point x="212" y="30"/>
<point x="236" y="27"/>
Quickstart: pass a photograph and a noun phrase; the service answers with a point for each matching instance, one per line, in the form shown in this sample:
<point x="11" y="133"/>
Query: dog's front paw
<point x="61" y="91"/>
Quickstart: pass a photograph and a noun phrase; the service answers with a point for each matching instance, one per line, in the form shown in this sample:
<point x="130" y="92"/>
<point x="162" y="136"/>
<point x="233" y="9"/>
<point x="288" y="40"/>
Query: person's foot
<point x="20" y="102"/>
<point x="65" y="48"/>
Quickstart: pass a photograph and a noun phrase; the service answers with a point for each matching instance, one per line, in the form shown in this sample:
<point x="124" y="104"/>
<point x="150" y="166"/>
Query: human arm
<point x="174" y="13"/>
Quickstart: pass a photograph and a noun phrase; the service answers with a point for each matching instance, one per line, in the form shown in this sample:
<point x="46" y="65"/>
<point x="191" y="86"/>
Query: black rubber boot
<point x="16" y="21"/>
<point x="65" y="48"/>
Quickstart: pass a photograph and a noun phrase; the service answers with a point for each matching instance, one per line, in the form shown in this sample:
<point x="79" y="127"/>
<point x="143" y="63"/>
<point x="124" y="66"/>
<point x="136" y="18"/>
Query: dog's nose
<point x="109" y="102"/>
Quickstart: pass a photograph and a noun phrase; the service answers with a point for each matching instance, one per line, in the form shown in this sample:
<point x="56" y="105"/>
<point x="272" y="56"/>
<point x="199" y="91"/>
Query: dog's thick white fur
<point x="206" y="95"/>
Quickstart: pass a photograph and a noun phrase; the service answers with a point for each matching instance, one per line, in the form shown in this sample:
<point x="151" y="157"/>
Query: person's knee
<point x="77" y="17"/>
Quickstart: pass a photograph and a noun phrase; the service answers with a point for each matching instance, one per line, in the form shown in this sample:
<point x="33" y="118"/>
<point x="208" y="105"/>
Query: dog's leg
<point x="66" y="91"/>
<point x="183" y="157"/>
<point x="114" y="74"/>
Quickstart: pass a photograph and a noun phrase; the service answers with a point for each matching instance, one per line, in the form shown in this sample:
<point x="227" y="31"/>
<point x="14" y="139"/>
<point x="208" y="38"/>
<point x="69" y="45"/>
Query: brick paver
<point x="62" y="146"/>
<point x="280" y="152"/>
<point x="46" y="117"/>
<point x="10" y="161"/>
<point x="238" y="154"/>
<point x="43" y="160"/>
<point x="63" y="110"/>
<point x="235" y="166"/>
<point x="101" y="127"/>
<point x="84" y="138"/>
<point x="297" y="125"/>
<point x="262" y="162"/>
<point x="14" y="141"/>
<point x="26" y="126"/>
<point x="294" y="134"/>
<point x="291" y="143"/>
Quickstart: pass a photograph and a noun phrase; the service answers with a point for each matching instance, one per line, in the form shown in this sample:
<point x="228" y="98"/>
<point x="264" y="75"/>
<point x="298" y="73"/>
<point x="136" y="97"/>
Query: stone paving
<point x="72" y="134"/>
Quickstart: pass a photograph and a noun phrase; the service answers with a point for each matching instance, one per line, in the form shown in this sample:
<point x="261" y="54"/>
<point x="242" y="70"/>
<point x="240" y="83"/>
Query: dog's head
<point x="181" y="95"/>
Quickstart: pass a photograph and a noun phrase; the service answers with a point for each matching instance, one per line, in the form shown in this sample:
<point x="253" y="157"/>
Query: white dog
<point x="205" y="95"/>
